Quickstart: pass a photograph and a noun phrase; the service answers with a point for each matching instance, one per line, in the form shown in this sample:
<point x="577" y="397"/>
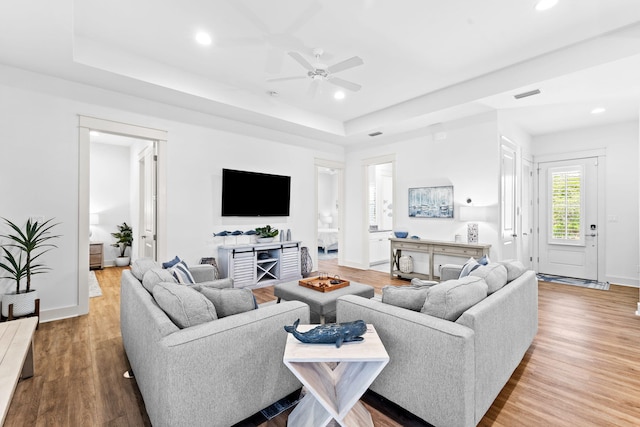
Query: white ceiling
<point x="425" y="61"/>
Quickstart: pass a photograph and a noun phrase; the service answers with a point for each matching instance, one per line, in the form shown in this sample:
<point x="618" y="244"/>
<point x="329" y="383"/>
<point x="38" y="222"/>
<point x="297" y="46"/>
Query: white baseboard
<point x="624" y="281"/>
<point x="58" y="314"/>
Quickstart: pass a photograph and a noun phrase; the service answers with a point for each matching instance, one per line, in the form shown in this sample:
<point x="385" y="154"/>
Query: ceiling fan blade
<point x="305" y="17"/>
<point x="346" y="64"/>
<point x="344" y="83"/>
<point x="300" y="59"/>
<point x="313" y="88"/>
<point x="283" y="79"/>
<point x="248" y="13"/>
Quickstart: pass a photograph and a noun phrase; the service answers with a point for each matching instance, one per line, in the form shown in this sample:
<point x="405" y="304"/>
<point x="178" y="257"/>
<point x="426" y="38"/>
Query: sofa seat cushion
<point x="141" y="266"/>
<point x="185" y="306"/>
<point x="448" y="300"/>
<point x="230" y="301"/>
<point x="514" y="268"/>
<point x="156" y="275"/>
<point x="494" y="274"/>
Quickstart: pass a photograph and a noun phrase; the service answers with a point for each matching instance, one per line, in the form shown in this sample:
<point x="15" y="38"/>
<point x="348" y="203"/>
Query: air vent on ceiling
<point x="525" y="94"/>
<point x="375" y="133"/>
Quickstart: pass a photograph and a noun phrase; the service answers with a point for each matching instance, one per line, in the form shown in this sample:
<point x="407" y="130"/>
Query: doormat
<point x="591" y="284"/>
<point x="280" y="406"/>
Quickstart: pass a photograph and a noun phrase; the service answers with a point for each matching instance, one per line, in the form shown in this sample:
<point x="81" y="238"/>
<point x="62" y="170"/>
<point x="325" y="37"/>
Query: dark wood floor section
<point x="582" y="369"/>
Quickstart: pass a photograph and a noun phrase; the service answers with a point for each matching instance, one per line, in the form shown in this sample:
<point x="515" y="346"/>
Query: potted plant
<point x="124" y="238"/>
<point x="265" y="234"/>
<point x="31" y="243"/>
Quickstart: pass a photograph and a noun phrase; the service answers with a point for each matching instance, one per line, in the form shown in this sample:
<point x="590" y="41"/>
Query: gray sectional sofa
<point x="216" y="373"/>
<point x="449" y="372"/>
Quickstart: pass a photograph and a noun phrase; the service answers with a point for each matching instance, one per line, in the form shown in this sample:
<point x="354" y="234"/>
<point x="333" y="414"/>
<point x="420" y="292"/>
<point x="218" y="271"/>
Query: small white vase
<point x="23" y="303"/>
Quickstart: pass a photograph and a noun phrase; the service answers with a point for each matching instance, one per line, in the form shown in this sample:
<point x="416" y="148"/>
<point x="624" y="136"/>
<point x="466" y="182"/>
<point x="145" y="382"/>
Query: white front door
<point x="568" y="213"/>
<point x="148" y="196"/>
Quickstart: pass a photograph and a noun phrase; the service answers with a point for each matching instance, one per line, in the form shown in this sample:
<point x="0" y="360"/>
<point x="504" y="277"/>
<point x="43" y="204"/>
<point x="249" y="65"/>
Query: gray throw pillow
<point x="514" y="267"/>
<point x="185" y="306"/>
<point x="141" y="266"/>
<point x="418" y="283"/>
<point x="156" y="275"/>
<point x="408" y="297"/>
<point x="448" y="300"/>
<point x="230" y="301"/>
<point x="494" y="274"/>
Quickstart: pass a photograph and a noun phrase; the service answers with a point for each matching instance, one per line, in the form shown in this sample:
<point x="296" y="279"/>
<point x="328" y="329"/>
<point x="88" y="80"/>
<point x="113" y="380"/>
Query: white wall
<point x="468" y="159"/>
<point x="110" y="194"/>
<point x="39" y="122"/>
<point x="621" y="181"/>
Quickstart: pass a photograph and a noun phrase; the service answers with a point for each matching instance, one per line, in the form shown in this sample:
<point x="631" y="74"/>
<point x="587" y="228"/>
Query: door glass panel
<point x="567" y="205"/>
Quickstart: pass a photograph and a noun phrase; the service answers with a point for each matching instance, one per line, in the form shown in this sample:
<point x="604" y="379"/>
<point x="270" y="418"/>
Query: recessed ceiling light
<point x="545" y="4"/>
<point x="339" y="95"/>
<point x="203" y="38"/>
<point x="598" y="110"/>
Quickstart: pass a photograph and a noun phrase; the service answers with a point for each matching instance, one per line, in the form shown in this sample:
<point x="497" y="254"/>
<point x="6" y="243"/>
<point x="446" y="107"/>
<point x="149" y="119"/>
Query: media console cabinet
<point x="260" y="264"/>
<point x="432" y="248"/>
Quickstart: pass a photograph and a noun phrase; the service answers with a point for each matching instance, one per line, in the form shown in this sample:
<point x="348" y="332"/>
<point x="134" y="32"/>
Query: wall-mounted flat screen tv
<point x="247" y="193"/>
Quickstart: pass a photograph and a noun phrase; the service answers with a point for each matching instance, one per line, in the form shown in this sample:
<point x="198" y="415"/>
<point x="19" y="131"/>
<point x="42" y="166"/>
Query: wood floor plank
<point x="582" y="369"/>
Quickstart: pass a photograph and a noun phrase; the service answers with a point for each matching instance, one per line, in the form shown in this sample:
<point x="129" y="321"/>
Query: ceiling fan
<point x="320" y="72"/>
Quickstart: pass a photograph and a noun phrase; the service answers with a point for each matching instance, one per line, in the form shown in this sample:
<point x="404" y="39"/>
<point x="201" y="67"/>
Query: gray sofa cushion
<point x="408" y="297"/>
<point x="494" y="274"/>
<point x="230" y="301"/>
<point x="141" y="266"/>
<point x="185" y="306"/>
<point x="448" y="300"/>
<point x="156" y="275"/>
<point x="514" y="269"/>
<point x="218" y="283"/>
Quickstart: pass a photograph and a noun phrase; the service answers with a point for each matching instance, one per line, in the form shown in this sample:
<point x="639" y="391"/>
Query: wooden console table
<point x="431" y="247"/>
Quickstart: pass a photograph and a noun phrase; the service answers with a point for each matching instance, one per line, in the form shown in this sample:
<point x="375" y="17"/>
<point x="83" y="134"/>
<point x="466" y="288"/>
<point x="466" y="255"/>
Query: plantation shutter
<point x="567" y="205"/>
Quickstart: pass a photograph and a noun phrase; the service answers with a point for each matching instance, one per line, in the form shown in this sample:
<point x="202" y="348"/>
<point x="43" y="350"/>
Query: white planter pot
<point x="23" y="303"/>
<point x="122" y="261"/>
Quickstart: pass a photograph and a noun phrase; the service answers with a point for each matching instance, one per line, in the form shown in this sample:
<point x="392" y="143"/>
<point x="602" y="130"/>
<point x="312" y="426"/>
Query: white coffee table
<point x="334" y="393"/>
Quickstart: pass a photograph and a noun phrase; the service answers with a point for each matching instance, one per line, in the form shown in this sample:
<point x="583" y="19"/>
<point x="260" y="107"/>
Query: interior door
<point x="568" y="213"/>
<point x="508" y="199"/>
<point x="526" y="217"/>
<point x="148" y="198"/>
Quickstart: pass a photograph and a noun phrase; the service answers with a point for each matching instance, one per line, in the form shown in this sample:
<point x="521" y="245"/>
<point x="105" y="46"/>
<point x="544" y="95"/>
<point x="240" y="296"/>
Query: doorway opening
<point x="329" y="216"/>
<point x="380" y="203"/>
<point x="134" y="139"/>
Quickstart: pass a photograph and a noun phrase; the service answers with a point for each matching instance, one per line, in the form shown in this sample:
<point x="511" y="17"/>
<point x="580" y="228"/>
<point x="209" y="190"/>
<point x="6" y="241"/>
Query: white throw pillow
<point x="468" y="267"/>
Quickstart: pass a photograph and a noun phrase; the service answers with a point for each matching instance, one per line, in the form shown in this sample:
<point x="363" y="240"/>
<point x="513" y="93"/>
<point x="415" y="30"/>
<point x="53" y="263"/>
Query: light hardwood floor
<point x="582" y="369"/>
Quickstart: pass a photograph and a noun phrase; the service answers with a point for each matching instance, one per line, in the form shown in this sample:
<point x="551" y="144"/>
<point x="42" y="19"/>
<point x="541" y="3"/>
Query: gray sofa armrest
<point x="202" y="272"/>
<point x="229" y="368"/>
<point x="450" y="272"/>
<point x="431" y="369"/>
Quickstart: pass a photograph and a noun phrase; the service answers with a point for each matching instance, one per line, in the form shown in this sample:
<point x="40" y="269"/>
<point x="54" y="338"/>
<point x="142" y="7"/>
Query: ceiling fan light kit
<point x="320" y="72"/>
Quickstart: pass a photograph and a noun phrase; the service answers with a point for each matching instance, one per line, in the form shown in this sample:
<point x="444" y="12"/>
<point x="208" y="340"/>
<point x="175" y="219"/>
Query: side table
<point x="334" y="393"/>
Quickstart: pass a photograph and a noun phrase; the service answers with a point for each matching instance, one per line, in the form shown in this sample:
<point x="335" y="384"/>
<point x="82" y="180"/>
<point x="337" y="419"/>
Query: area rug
<point x="592" y="284"/>
<point x="94" y="286"/>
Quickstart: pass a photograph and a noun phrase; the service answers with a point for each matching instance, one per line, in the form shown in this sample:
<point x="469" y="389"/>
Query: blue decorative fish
<point x="222" y="233"/>
<point x="330" y="333"/>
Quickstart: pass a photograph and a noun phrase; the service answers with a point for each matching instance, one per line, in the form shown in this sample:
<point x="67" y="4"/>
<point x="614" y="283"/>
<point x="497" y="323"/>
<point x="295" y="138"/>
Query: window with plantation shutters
<point x="567" y="205"/>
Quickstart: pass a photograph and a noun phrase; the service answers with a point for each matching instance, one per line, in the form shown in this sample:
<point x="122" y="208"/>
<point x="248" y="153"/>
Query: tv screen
<point x="254" y="194"/>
